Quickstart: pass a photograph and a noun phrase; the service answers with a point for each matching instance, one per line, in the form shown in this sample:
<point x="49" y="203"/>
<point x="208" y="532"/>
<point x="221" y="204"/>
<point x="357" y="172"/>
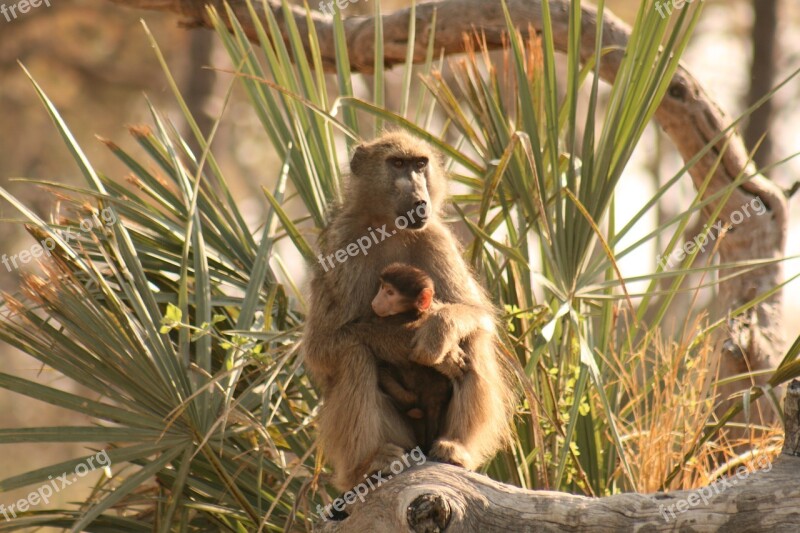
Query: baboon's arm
<point x="326" y="341"/>
<point x="463" y="319"/>
<point x="445" y="327"/>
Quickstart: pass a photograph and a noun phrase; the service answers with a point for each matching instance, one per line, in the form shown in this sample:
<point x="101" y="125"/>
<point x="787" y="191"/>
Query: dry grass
<point x="667" y="395"/>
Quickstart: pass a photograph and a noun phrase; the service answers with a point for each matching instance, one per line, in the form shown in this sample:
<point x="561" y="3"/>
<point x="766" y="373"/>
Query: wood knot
<point x="731" y="349"/>
<point x="678" y="90"/>
<point x="429" y="513"/>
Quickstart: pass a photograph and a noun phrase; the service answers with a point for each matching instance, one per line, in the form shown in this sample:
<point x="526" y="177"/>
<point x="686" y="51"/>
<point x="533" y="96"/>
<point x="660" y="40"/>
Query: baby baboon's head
<point x="404" y="289"/>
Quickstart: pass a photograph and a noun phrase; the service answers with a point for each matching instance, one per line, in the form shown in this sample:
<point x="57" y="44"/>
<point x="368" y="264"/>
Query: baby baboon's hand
<point x="453" y="365"/>
<point x="433" y="341"/>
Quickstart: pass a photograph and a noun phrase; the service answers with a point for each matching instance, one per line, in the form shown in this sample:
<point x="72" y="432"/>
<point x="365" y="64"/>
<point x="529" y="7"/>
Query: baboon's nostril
<point x="419" y="203"/>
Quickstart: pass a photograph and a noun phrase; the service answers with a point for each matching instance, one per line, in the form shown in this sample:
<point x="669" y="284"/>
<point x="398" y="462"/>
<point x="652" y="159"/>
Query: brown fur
<point x="360" y="429"/>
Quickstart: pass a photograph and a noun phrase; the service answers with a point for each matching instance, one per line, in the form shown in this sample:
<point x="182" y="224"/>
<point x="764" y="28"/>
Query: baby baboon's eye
<point x="396" y="162"/>
<point x="421" y="163"/>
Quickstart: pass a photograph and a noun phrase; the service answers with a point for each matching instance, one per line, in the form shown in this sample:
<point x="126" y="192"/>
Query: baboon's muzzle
<point x="419" y="215"/>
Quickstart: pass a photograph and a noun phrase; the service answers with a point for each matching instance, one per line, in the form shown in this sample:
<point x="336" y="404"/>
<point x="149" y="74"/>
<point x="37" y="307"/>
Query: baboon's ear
<point x="424" y="299"/>
<point x="359" y="159"/>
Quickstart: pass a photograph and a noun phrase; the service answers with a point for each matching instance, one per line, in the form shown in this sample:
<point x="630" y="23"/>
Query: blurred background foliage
<point x="95" y="61"/>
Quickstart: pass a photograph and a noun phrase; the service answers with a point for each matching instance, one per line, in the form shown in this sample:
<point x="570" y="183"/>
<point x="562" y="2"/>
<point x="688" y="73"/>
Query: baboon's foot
<point x="384" y="458"/>
<point x="451" y="452"/>
<point x="380" y="461"/>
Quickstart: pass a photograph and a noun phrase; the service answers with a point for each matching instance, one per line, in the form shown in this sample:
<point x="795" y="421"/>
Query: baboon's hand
<point x="434" y="339"/>
<point x="453" y="365"/>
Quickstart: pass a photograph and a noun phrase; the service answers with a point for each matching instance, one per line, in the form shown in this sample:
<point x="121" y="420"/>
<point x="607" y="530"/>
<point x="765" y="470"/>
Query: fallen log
<point x="435" y="497"/>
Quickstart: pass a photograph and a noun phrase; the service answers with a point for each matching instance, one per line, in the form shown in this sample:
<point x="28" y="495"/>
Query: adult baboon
<point x="379" y="222"/>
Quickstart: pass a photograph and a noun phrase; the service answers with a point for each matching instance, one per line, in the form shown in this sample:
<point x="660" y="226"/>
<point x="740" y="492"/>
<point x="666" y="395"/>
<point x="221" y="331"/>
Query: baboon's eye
<point x="396" y="162"/>
<point x="422" y="162"/>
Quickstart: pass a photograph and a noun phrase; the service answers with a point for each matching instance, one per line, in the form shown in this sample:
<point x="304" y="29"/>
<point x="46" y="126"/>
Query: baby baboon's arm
<point x="388" y="339"/>
<point x="391" y="385"/>
<point x="438" y="338"/>
<point x="391" y="340"/>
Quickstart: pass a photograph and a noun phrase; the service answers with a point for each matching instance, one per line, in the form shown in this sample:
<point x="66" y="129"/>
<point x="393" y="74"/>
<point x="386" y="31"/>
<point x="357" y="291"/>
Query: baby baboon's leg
<point x="435" y="393"/>
<point x="387" y="380"/>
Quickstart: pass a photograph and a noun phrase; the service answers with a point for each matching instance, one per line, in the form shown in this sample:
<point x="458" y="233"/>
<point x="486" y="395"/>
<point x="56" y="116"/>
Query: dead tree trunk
<point x="753" y="340"/>
<point x="435" y="497"/>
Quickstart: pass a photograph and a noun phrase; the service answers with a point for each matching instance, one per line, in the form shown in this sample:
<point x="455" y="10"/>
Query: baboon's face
<point x="397" y="176"/>
<point x="408" y="180"/>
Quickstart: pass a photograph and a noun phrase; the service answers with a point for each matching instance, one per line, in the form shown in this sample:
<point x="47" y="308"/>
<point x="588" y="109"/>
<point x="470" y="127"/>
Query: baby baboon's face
<point x="389" y="301"/>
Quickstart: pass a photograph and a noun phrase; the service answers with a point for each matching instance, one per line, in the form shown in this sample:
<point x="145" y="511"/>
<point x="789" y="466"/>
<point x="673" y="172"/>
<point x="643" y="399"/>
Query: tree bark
<point x="436" y="497"/>
<point x="753" y="340"/>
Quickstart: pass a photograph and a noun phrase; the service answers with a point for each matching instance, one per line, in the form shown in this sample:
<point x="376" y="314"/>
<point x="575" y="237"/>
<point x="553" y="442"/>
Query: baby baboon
<point x="390" y="213"/>
<point x="405" y="298"/>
